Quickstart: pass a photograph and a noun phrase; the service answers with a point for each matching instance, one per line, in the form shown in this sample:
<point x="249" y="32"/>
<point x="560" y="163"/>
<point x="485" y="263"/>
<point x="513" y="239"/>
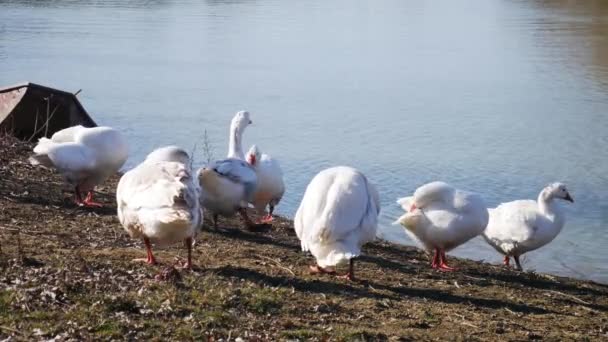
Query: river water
<point x="498" y="97"/>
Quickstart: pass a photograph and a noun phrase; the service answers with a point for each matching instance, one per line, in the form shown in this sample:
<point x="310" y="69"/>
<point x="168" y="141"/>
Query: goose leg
<point x="188" y="244"/>
<point x="435" y="262"/>
<point x="268" y="218"/>
<point x="150" y="257"/>
<point x="443" y="265"/>
<point x="151" y="260"/>
<point x="316" y="269"/>
<point x="215" y="218"/>
<point x="78" y="196"/>
<point x="350" y="275"/>
<point x="506" y="261"/>
<point x="519" y="268"/>
<point x="248" y="223"/>
<point x="88" y="201"/>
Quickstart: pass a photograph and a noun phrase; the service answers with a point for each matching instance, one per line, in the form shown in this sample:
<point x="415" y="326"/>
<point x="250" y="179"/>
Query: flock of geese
<point x="162" y="200"/>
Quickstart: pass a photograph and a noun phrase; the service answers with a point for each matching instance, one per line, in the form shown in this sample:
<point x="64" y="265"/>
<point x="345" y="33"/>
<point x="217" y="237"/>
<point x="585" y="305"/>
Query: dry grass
<point x="66" y="272"/>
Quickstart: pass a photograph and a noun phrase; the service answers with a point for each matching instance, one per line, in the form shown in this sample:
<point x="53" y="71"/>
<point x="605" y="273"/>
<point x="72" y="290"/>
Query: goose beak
<point x="569" y="198"/>
<point x="413" y="207"/>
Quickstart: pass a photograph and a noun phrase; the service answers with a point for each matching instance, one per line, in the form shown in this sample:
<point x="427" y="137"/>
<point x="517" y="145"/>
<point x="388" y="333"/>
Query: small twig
<point x="48" y="109"/>
<point x="511" y="311"/>
<point x="16" y="230"/>
<point x="570" y="296"/>
<point x="207" y="148"/>
<point x="3" y="327"/>
<point x="46" y="124"/>
<point x="589" y="309"/>
<point x="192" y="152"/>
<point x="467" y="276"/>
<point x="469" y="325"/>
<point x="35" y="126"/>
<point x="550" y="277"/>
<point x="19" y="251"/>
<point x="9" y="229"/>
<point x="279" y="264"/>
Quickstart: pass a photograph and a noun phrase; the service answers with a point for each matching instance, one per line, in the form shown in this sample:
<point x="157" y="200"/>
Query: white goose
<point x="521" y="226"/>
<point x="158" y="201"/>
<point x="442" y="218"/>
<point x="228" y="185"/>
<point x="85" y="157"/>
<point x="338" y="214"/>
<point x="270" y="188"/>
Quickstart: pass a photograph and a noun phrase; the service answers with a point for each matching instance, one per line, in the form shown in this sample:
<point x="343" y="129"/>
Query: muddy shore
<point x="67" y="272"/>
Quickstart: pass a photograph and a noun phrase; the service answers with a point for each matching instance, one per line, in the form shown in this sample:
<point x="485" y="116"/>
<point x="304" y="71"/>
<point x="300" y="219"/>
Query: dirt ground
<point x="67" y="273"/>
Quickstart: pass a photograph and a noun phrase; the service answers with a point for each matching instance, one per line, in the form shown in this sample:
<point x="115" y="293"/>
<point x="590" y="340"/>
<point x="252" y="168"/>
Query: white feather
<point x="159" y="200"/>
<point x="444" y="217"/>
<point x="338" y="214"/>
<point x="228" y="185"/>
<point x="85" y="157"/>
<point x="270" y="187"/>
<point x="521" y="226"/>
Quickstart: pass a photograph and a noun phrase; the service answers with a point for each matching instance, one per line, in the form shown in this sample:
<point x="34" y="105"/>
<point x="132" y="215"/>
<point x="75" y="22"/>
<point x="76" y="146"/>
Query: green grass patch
<point x="40" y="316"/>
<point x="6" y="299"/>
<point x="261" y="300"/>
<point x="299" y="334"/>
<point x="363" y="336"/>
<point x="120" y="304"/>
<point x="108" y="329"/>
<point x="217" y="319"/>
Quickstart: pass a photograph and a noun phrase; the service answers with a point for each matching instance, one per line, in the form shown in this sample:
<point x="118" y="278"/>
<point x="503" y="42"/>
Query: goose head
<point x="557" y="190"/>
<point x="169" y="153"/>
<point x="429" y="193"/>
<point x="240" y="121"/>
<point x="253" y="155"/>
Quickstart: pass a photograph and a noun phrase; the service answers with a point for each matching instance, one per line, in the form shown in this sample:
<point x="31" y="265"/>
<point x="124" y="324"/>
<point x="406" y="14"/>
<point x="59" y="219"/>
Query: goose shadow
<point x="393" y="258"/>
<point x="396" y="293"/>
<point x="393" y="250"/>
<point x="255" y="237"/>
<point x="483" y="270"/>
<point x="380" y="261"/>
<point x="448" y="298"/>
<point x="534" y="281"/>
<point x="35" y="197"/>
<point x="404" y="268"/>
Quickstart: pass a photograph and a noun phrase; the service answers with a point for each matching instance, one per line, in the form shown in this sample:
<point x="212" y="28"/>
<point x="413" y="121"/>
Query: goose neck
<point x="235" y="148"/>
<point x="545" y="203"/>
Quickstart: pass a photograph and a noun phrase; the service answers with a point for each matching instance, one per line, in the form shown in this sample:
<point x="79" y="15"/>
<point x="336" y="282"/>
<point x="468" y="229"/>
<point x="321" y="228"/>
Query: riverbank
<point x="67" y="271"/>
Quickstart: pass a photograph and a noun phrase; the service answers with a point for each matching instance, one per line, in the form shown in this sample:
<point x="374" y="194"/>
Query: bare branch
<point x="207" y="148"/>
<point x="570" y="296"/>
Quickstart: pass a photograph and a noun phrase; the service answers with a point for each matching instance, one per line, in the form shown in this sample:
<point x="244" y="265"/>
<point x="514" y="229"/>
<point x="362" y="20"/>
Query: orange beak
<point x="413" y="207"/>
